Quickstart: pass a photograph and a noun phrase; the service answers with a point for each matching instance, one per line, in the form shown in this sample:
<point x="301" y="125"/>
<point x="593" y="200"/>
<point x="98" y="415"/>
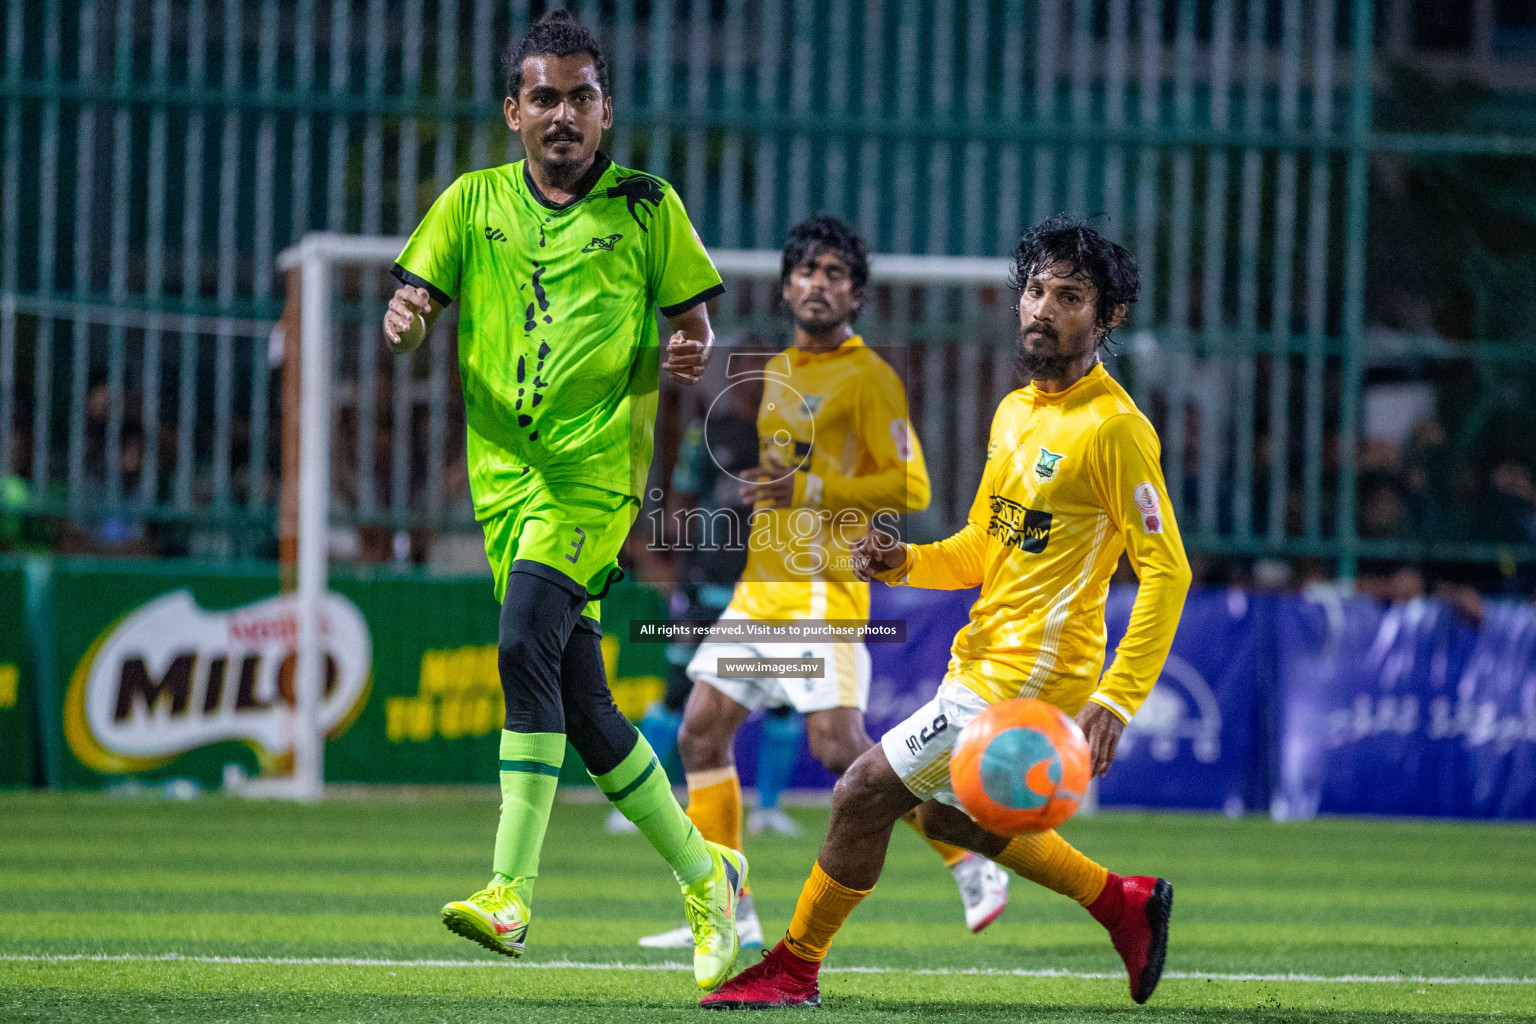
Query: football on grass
<point x="1021" y="765"/>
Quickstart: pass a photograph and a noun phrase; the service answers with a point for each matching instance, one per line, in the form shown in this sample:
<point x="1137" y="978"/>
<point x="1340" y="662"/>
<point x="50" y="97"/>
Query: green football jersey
<point x="558" y="341"/>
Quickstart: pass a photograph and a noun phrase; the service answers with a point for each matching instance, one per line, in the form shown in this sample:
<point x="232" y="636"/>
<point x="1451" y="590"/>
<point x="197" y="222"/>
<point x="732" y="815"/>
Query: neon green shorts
<point x="574" y="529"/>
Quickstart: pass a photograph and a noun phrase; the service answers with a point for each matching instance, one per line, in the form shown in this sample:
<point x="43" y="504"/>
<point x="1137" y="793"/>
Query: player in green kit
<point x="559" y="263"/>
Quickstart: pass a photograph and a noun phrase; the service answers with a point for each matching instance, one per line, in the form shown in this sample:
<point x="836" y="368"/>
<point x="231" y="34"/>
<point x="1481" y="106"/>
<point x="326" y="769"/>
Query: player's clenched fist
<point x="876" y="552"/>
<point x="405" y="319"/>
<point x="1102" y="730"/>
<point x="686" y="359"/>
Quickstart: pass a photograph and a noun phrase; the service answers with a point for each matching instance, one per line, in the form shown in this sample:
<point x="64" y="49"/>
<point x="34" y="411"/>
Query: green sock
<point x="530" y="769"/>
<point x="638" y="787"/>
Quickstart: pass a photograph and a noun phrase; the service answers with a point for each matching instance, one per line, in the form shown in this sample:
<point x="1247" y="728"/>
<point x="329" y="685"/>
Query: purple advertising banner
<point x="1192" y="743"/>
<point x="1406" y="710"/>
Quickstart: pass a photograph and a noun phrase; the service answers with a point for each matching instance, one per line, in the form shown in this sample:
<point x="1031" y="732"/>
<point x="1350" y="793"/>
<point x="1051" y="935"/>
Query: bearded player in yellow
<point x="1071" y="480"/>
<point x="836" y="449"/>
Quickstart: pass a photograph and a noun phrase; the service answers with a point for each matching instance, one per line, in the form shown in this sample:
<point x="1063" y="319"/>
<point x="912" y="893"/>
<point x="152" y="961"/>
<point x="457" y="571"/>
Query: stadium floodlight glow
<point x="317" y="256"/>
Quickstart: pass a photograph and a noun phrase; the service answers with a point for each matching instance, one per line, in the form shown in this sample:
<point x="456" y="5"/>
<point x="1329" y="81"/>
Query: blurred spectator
<point x="1394" y="587"/>
<point x="104" y="527"/>
<point x="1512" y="505"/>
<point x="15" y="495"/>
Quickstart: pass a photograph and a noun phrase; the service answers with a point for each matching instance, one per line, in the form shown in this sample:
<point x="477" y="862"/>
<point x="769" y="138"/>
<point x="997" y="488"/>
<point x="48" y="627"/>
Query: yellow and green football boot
<point x="710" y="907"/>
<point x="496" y="917"/>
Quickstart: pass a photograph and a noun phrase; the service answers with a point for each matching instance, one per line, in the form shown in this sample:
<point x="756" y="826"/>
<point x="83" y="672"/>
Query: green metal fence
<point x="158" y="153"/>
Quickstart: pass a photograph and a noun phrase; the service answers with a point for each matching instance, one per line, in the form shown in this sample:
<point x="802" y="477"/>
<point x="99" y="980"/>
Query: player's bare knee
<point x="836" y="747"/>
<point x="950" y="825"/>
<point x="935" y="824"/>
<point x="851" y="790"/>
<point x="836" y="738"/>
<point x="701" y="745"/>
<point x="870" y="792"/>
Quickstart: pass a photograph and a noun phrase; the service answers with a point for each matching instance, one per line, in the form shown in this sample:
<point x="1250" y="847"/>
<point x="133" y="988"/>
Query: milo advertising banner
<point x="177" y="673"/>
<point x="172" y="678"/>
<point x="18" y="738"/>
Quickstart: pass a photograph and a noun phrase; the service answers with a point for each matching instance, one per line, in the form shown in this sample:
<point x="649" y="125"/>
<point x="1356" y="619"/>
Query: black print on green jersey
<point x="601" y="243"/>
<point x="601" y="308"/>
<point x="495" y="235"/>
<point x="523" y="419"/>
<point x="540" y="300"/>
<point x="637" y="190"/>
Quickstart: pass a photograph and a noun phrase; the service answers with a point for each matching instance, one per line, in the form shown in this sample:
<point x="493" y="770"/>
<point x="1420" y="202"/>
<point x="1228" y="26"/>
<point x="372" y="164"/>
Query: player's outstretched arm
<point x="409" y="318"/>
<point x="959" y="560"/>
<point x="875" y="554"/>
<point x="691" y="345"/>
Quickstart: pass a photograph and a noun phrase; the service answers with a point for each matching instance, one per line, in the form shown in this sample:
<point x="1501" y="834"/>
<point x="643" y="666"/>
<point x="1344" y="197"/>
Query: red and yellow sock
<point x="823" y="907"/>
<point x="714" y="804"/>
<point x="1049" y="860"/>
<point x="951" y="855"/>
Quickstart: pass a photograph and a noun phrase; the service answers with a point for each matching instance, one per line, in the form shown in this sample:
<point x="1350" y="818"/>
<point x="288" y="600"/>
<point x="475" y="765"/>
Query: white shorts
<point x="844" y="682"/>
<point x="918" y="748"/>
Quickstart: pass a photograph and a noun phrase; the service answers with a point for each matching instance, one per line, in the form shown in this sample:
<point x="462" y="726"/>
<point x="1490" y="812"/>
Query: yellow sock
<point x="951" y="855"/>
<point x="714" y="804"/>
<point x="823" y="907"/>
<point x="1049" y="860"/>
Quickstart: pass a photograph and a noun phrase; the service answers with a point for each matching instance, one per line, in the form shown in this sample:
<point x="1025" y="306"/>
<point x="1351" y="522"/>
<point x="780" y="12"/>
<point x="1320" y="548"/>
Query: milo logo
<point x="171" y="677"/>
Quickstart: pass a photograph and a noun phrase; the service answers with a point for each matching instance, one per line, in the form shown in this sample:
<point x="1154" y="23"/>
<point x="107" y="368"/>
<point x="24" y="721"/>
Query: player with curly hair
<point x="1072" y="480"/>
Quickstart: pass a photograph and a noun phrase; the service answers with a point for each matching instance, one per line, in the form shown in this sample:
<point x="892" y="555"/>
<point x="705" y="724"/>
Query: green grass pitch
<point x="120" y="910"/>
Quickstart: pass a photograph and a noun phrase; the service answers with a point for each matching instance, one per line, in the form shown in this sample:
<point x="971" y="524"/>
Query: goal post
<point x="949" y="290"/>
<point x="316" y="258"/>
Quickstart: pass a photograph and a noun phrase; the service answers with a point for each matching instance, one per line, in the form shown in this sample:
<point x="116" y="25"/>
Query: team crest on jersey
<point x="809" y="404"/>
<point x="601" y="243"/>
<point x="1150" y="506"/>
<point x="1045" y="465"/>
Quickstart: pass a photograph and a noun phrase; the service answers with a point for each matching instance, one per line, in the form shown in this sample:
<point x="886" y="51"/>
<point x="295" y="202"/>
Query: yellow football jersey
<point x="839" y="419"/>
<point x="1072" y="479"/>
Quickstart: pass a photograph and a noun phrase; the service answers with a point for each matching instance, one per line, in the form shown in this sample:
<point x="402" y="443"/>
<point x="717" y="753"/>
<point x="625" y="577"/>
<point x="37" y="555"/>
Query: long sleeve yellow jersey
<point x="839" y="419"/>
<point x="1072" y="479"/>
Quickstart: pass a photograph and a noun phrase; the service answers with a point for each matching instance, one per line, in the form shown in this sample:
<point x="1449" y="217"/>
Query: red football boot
<point x="779" y="981"/>
<point x="1135" y="910"/>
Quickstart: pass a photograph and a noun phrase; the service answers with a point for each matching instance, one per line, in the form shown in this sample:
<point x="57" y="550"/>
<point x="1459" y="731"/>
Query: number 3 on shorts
<point x="581" y="538"/>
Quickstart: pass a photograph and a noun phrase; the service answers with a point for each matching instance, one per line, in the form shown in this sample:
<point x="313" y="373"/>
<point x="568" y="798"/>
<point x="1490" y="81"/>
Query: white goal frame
<point x="317" y="256"/>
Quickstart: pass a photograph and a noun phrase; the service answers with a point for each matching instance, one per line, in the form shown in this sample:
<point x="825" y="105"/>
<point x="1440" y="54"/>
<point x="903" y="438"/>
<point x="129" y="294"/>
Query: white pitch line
<point x="983" y="972"/>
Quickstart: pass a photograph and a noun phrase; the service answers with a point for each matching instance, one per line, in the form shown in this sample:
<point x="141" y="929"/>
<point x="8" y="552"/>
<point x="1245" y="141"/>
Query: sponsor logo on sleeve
<point x="1150" y="506"/>
<point x="903" y="438"/>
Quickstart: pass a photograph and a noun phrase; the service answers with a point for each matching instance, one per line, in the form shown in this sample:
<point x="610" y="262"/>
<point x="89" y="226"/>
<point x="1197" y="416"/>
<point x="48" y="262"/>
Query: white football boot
<point x="983" y="890"/>
<point x="617" y="824"/>
<point x="771" y="819"/>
